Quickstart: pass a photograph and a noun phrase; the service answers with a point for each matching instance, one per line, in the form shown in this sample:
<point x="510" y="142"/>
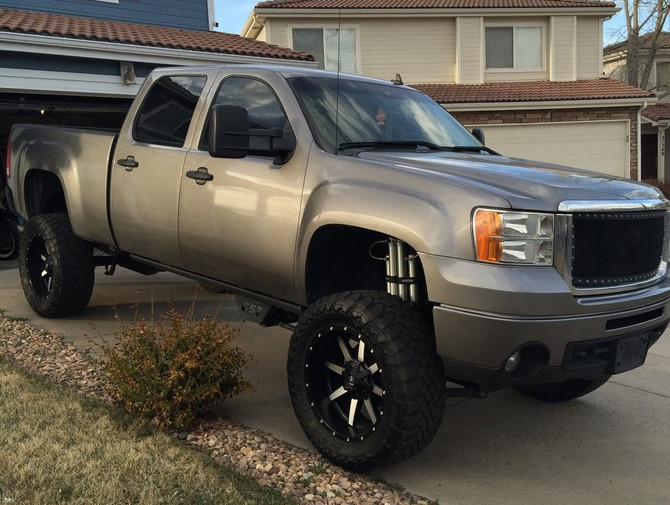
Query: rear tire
<point x="562" y="391"/>
<point x="56" y="268"/>
<point x="365" y="379"/>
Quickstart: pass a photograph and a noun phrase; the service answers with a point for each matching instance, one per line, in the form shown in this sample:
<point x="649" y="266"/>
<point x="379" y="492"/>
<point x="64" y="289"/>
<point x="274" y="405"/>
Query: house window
<point x="329" y="46"/>
<point x="663" y="76"/>
<point x="513" y="47"/>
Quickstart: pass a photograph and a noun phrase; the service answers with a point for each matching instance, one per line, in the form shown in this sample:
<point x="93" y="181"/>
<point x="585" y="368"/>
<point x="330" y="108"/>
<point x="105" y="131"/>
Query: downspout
<point x="660" y="153"/>
<point x="639" y="141"/>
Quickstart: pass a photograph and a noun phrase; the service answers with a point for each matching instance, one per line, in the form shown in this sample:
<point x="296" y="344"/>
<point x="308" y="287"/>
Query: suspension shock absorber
<point x="392" y="267"/>
<point x="401" y="269"/>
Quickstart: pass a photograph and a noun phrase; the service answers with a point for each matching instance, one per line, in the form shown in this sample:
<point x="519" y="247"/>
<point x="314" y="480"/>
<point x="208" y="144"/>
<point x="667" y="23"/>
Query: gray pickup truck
<point x="410" y="261"/>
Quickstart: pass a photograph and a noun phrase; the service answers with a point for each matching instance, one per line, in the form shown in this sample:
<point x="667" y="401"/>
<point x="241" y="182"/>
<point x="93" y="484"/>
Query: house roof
<point x="57" y="25"/>
<point x="532" y="91"/>
<point x="657" y="112"/>
<point x="430" y="4"/>
<point x="644" y="42"/>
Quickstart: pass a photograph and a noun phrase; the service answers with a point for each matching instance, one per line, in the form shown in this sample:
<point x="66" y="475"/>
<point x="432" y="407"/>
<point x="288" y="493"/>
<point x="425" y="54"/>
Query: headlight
<point x="514" y="237"/>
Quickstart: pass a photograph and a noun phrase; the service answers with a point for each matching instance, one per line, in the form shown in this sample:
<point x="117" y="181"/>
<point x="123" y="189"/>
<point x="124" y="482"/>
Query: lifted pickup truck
<point x="410" y="261"/>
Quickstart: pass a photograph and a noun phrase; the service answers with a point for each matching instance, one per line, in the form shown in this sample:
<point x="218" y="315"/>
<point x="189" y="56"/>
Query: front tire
<point x="562" y="391"/>
<point x="365" y="379"/>
<point x="56" y="268"/>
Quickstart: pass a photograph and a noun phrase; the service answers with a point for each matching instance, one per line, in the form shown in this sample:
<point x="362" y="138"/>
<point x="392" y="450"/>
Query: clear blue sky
<point x="232" y="14"/>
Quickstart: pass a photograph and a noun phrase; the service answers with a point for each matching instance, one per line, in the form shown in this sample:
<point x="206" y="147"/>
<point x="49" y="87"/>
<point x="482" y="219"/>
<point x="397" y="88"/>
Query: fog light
<point x="513" y="362"/>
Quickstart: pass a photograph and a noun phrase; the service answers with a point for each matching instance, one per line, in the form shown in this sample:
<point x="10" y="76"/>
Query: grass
<point x="58" y="447"/>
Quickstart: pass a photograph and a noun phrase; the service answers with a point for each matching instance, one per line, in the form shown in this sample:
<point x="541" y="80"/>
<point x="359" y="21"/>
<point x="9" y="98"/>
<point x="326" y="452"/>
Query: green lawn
<point x="58" y="447"/>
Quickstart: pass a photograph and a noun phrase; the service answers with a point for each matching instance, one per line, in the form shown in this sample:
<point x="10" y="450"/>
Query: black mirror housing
<point x="228" y="131"/>
<point x="478" y="133"/>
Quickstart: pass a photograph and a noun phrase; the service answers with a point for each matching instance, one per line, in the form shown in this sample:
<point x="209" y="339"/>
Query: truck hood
<point x="526" y="185"/>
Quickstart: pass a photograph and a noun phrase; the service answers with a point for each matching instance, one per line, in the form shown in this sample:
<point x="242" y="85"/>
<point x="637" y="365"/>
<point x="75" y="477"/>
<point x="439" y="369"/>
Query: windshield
<point x="368" y="115"/>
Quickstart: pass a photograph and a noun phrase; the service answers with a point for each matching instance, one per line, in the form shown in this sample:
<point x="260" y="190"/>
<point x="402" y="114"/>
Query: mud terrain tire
<point x="365" y="379"/>
<point x="56" y="268"/>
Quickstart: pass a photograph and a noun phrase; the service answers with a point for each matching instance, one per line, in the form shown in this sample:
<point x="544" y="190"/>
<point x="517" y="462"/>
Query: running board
<point x="259" y="308"/>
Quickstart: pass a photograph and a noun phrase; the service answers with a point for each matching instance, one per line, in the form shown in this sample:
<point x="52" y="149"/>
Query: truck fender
<point x="82" y="177"/>
<point x="422" y="223"/>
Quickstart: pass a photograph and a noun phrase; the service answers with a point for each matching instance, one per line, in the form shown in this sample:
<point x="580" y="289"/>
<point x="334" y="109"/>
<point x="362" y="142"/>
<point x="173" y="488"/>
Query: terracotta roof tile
<point x="645" y="42"/>
<point x="57" y="25"/>
<point x="594" y="89"/>
<point x="430" y="4"/>
<point x="657" y="112"/>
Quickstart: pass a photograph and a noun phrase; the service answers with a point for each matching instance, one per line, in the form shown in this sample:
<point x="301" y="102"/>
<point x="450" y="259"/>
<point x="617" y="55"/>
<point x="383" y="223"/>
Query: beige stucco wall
<point x="562" y="39"/>
<point x="589" y="48"/>
<point x="263" y="35"/>
<point x="449" y="49"/>
<point x="420" y="49"/>
<point x="469" y="51"/>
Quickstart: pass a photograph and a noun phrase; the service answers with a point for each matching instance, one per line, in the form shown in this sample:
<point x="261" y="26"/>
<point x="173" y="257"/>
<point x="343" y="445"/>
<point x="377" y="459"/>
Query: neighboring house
<point x="66" y="69"/>
<point x="528" y="72"/>
<point x="189" y="14"/>
<point x="655" y="165"/>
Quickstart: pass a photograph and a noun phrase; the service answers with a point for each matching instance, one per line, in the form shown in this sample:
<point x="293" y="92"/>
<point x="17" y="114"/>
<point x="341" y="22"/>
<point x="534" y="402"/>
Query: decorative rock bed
<point x="297" y="473"/>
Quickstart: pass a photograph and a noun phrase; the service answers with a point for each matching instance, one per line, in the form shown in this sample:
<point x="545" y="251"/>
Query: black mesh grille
<point x="610" y="249"/>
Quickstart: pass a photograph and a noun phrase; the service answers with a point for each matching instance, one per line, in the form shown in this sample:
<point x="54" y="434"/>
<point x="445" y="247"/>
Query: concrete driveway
<point x="612" y="447"/>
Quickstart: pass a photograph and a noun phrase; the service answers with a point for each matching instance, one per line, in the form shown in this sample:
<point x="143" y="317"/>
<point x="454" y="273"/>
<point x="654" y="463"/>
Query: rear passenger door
<point x="147" y="168"/>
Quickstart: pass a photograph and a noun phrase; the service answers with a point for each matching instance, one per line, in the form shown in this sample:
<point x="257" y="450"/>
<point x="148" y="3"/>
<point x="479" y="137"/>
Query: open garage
<point x="66" y="70"/>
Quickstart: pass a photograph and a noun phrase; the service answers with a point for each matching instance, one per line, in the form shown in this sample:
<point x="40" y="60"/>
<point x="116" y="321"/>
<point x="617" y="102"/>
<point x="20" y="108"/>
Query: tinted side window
<point x="264" y="109"/>
<point x="167" y="110"/>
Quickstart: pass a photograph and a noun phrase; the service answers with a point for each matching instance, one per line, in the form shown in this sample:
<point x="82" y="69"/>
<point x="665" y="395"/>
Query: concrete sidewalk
<point x="612" y="447"/>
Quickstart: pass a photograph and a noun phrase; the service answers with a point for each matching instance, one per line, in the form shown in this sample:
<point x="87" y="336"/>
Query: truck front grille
<point x="616" y="248"/>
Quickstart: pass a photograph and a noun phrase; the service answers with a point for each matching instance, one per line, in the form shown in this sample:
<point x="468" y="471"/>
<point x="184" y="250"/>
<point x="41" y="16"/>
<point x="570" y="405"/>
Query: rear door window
<point x="167" y="110"/>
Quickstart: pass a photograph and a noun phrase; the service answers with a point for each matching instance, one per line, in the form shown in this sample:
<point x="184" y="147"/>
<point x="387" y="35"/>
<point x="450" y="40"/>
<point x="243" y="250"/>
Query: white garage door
<point x="601" y="146"/>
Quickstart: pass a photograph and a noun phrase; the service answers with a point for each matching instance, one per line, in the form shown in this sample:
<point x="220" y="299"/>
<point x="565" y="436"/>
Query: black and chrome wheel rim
<point x="344" y="382"/>
<point x="39" y="267"/>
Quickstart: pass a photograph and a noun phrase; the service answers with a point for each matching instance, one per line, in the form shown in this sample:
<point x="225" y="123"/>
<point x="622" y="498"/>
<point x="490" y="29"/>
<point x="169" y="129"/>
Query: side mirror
<point x="283" y="144"/>
<point x="479" y="135"/>
<point x="228" y="131"/>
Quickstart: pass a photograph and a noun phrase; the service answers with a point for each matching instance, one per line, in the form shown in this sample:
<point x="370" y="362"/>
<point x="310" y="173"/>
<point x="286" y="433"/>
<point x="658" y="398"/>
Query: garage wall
<point x="601" y="146"/>
<point x="586" y="130"/>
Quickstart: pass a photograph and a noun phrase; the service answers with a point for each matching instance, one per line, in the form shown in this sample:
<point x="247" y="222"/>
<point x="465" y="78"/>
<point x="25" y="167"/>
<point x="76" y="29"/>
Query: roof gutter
<point x="548" y="104"/>
<point x="434" y="12"/>
<point x="61" y="46"/>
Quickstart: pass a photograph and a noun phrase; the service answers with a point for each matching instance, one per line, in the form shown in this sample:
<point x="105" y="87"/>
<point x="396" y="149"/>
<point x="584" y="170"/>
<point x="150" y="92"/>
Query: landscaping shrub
<point x="171" y="369"/>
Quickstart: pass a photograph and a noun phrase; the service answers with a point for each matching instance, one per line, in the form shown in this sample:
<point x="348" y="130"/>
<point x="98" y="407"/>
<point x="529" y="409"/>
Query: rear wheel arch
<point x="44" y="193"/>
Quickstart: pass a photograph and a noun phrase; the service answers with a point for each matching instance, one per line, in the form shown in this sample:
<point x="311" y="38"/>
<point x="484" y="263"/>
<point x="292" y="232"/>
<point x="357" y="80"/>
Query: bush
<point x="171" y="369"/>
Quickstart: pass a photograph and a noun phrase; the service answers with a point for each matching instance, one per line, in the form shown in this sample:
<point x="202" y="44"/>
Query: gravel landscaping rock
<point x="297" y="473"/>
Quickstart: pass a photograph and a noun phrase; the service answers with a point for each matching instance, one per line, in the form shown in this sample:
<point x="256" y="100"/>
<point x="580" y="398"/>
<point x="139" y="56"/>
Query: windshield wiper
<point x="414" y="144"/>
<point x="392" y="143"/>
<point x="472" y="149"/>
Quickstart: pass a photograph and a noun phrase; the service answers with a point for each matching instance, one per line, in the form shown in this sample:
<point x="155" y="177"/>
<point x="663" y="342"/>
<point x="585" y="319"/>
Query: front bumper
<point x="485" y="313"/>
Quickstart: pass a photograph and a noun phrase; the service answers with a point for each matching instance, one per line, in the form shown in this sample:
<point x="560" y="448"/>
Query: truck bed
<point x="81" y="159"/>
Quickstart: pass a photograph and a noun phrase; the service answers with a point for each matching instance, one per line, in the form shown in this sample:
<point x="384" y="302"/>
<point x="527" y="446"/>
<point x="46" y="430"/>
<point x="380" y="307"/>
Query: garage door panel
<point x="600" y="146"/>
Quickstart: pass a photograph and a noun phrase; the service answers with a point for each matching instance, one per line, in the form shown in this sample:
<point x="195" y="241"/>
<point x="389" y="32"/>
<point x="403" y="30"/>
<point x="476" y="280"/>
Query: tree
<point x="645" y="20"/>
